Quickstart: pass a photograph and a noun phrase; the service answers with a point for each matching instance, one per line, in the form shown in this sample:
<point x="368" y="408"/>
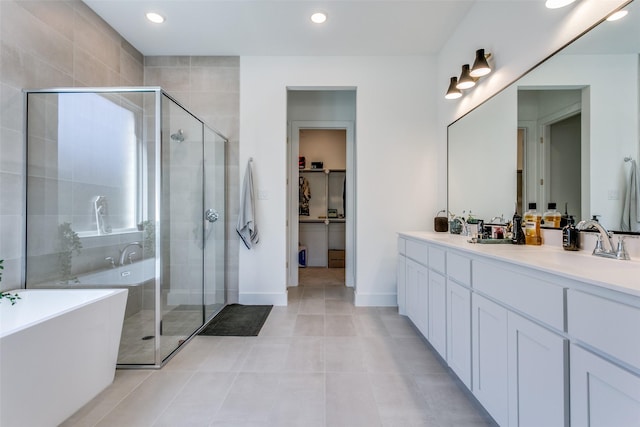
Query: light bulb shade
<point x="453" y="92"/>
<point x="617" y="15"/>
<point x="465" y="81"/>
<point x="480" y="65"/>
<point x="556" y="4"/>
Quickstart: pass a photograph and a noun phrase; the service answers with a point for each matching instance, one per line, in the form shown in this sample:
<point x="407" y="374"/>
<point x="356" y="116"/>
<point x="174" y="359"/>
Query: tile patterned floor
<point x="319" y="361"/>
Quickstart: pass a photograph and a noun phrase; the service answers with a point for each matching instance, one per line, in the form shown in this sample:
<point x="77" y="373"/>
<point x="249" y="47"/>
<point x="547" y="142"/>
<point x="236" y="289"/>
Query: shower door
<point x="214" y="224"/>
<point x="182" y="228"/>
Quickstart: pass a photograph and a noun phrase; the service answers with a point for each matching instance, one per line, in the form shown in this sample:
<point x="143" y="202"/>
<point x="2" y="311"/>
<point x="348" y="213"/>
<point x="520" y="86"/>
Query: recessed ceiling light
<point x="555" y="4"/>
<point x="617" y="15"/>
<point x="154" y="17"/>
<point x="319" y="17"/>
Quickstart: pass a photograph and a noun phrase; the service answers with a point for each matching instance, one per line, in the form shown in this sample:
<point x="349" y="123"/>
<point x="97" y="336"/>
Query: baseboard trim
<point x="375" y="300"/>
<point x="261" y="298"/>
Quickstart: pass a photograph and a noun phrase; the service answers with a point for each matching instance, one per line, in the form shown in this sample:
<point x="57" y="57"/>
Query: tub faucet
<point x="604" y="246"/>
<point x="124" y="252"/>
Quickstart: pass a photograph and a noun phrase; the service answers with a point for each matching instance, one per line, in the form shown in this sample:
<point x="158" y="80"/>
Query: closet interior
<point x="322" y="198"/>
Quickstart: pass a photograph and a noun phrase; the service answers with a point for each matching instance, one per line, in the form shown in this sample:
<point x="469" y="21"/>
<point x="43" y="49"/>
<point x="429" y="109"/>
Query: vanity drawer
<point x="436" y="259"/>
<point x="542" y="300"/>
<point x="402" y="245"/>
<point x="610" y="326"/>
<point x="417" y="252"/>
<point x="459" y="268"/>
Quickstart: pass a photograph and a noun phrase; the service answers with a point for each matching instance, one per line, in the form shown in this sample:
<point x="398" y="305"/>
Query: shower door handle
<point x="212" y="215"/>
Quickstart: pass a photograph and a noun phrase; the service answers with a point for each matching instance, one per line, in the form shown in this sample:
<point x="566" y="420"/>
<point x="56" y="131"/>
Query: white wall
<point x="395" y="158"/>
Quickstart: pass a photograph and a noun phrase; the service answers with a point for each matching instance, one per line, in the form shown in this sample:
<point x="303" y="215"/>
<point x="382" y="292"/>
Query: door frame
<point x="293" y="150"/>
<point x="545" y="124"/>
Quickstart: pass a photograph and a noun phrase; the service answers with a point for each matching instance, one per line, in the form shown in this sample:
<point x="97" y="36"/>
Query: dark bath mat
<point x="238" y="320"/>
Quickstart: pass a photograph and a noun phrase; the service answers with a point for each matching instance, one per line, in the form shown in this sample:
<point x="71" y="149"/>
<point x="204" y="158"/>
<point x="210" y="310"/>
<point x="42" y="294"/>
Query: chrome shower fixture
<point x="178" y="136"/>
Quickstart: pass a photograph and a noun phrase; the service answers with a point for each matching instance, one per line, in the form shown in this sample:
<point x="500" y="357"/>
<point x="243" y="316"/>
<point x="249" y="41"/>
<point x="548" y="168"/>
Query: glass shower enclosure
<point x="127" y="189"/>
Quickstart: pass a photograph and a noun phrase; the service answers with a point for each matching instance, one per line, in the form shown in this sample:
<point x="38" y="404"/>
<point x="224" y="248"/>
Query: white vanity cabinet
<point x="536" y="360"/>
<point x="489" y="361"/>
<point x="422" y="282"/>
<point x="417" y="295"/>
<point x="458" y="312"/>
<point x="602" y="393"/>
<point x="605" y="359"/>
<point x="437" y="304"/>
<point x="401" y="277"/>
<point x="538" y="343"/>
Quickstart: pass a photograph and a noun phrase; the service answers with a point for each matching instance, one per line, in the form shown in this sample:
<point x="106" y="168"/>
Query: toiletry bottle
<point x="551" y="217"/>
<point x="564" y="219"/>
<point x="570" y="236"/>
<point x="517" y="234"/>
<point x="532" y="220"/>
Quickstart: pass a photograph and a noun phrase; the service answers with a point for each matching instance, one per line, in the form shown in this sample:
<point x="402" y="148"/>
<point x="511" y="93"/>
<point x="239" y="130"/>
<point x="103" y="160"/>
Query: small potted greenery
<point x="68" y="243"/>
<point x="7" y="295"/>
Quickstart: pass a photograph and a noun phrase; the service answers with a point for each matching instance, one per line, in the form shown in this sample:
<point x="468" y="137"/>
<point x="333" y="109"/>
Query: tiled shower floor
<point x="178" y="324"/>
<point x="319" y="361"/>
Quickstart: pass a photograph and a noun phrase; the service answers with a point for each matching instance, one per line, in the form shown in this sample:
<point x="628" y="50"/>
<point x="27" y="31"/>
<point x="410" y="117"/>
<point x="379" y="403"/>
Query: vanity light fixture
<point x="557" y="4"/>
<point x="617" y="15"/>
<point x="465" y="81"/>
<point x="480" y="65"/>
<point x="319" y="18"/>
<point x="453" y="92"/>
<point x="155" y="17"/>
<point x="469" y="76"/>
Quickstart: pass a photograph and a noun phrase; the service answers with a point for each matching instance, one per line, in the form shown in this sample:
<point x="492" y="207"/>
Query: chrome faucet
<point x="124" y="254"/>
<point x="604" y="245"/>
<point x="499" y="219"/>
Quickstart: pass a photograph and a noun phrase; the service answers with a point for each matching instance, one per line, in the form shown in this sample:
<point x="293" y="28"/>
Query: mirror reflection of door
<point x="564" y="169"/>
<point x="520" y="171"/>
<point x="551" y="121"/>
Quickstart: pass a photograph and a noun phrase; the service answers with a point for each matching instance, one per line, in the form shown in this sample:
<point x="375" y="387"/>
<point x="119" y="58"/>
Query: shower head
<point x="178" y="136"/>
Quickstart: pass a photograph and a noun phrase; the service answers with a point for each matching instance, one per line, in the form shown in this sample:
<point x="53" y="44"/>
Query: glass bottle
<point x="531" y="221"/>
<point x="551" y="218"/>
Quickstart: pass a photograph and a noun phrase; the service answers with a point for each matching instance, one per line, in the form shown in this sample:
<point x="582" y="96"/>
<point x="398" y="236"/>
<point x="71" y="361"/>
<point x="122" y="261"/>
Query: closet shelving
<point x="319" y="232"/>
<point x="327" y="187"/>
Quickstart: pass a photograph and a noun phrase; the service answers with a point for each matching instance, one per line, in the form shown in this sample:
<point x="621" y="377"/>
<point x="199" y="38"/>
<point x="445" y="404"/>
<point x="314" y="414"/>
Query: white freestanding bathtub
<point x="58" y="350"/>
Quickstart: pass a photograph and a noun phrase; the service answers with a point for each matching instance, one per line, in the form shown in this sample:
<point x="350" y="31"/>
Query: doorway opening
<point x="321" y="202"/>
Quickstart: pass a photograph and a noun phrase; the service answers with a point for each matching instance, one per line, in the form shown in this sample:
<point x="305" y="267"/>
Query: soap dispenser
<point x="570" y="236"/>
<point x="517" y="234"/>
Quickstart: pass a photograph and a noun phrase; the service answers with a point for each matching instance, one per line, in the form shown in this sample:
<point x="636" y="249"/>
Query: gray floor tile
<point x="350" y="400"/>
<point x="319" y="361"/>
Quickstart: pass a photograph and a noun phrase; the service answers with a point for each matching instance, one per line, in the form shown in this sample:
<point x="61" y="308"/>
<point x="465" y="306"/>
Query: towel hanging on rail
<point x="631" y="208"/>
<point x="247" y="228"/>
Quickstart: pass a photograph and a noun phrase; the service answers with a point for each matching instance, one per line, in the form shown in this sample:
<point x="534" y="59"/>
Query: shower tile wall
<point x="47" y="44"/>
<point x="63" y="43"/>
<point x="210" y="88"/>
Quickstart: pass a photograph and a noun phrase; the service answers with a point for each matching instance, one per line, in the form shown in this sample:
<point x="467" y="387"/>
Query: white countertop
<point x="621" y="276"/>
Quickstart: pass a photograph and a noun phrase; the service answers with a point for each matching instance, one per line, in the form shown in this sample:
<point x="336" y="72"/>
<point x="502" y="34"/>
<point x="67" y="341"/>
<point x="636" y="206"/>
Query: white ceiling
<point x="270" y="27"/>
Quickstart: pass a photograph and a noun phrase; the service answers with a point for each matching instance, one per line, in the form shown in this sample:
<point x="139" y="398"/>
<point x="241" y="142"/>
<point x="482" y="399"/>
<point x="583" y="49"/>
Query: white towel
<point x="631" y="209"/>
<point x="247" y="228"/>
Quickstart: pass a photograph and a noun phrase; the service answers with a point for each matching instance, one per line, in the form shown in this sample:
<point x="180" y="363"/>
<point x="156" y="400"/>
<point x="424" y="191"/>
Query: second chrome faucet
<point x="604" y="245"/>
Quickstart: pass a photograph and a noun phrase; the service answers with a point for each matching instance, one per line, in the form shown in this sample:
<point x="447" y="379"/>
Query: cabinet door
<point x="411" y="290"/>
<point x="459" y="331"/>
<point x="536" y="360"/>
<point x="417" y="295"/>
<point x="437" y="313"/>
<point x="489" y="340"/>
<point x="401" y="283"/>
<point x="602" y="394"/>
